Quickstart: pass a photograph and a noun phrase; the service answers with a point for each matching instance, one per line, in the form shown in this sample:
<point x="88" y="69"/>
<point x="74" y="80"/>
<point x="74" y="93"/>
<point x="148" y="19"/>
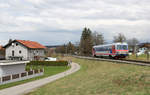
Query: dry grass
<point x="101" y="78"/>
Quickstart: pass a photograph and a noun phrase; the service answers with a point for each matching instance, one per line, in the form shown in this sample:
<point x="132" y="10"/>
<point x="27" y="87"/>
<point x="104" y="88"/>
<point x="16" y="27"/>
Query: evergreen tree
<point x="86" y="42"/>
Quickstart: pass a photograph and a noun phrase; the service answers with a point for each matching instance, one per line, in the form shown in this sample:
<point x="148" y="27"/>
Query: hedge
<point x="49" y="63"/>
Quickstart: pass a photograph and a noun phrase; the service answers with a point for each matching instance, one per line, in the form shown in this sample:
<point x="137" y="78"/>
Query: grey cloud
<point x="50" y="19"/>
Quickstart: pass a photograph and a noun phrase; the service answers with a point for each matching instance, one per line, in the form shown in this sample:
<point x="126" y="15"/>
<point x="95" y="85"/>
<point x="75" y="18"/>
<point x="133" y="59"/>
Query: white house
<point x="24" y="50"/>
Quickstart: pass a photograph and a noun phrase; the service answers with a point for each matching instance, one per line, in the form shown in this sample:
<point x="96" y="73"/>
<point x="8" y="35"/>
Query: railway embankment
<point x="125" y="61"/>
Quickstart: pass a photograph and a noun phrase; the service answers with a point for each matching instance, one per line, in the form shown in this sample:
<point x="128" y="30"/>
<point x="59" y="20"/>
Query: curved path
<point x="28" y="87"/>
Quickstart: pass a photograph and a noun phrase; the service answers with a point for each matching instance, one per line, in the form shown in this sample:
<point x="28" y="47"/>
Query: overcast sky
<point x="53" y="22"/>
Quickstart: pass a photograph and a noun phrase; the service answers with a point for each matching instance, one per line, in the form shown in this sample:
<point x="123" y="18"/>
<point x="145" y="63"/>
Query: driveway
<point x="30" y="86"/>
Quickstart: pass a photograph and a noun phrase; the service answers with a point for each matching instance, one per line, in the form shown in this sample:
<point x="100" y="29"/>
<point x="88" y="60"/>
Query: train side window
<point x="95" y="49"/>
<point x="100" y="49"/>
<point x="109" y="48"/>
<point x="103" y="49"/>
<point x="106" y="48"/>
<point x="119" y="47"/>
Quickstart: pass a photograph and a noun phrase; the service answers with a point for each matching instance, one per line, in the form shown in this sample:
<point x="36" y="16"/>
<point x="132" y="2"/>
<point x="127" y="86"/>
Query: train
<point x="114" y="50"/>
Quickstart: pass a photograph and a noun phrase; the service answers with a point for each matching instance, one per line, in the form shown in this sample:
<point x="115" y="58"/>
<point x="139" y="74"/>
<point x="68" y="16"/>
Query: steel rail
<point x="134" y="62"/>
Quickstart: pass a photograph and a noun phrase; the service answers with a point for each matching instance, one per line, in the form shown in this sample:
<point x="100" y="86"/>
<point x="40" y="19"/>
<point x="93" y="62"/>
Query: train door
<point x="113" y="49"/>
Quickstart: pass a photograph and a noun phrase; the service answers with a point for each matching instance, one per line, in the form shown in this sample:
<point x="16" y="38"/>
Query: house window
<point x="13" y="53"/>
<point x="37" y="52"/>
<point x="34" y="52"/>
<point x="20" y="51"/>
<point x="12" y="44"/>
<point x="16" y="44"/>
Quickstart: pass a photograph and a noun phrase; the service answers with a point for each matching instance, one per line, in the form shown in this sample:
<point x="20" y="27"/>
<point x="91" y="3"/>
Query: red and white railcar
<point x="116" y="50"/>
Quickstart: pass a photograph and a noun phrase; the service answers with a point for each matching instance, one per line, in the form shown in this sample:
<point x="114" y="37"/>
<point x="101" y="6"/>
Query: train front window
<point x="122" y="47"/>
<point x="118" y="47"/>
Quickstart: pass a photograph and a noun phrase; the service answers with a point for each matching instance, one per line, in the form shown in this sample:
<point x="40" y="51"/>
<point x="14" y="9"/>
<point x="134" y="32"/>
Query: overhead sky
<point x="53" y="22"/>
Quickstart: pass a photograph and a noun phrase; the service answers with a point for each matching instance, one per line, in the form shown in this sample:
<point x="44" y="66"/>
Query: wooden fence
<point x="21" y="76"/>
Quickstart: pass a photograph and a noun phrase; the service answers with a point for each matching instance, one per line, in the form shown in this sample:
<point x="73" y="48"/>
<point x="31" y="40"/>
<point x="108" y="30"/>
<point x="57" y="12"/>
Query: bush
<point x="49" y="63"/>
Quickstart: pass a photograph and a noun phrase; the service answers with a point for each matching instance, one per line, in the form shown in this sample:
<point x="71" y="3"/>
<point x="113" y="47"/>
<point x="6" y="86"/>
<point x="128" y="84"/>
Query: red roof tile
<point x="1" y="48"/>
<point x="31" y="44"/>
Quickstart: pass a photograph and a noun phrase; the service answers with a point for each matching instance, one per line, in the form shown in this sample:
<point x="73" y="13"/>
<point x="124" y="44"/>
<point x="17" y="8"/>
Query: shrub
<point x="49" y="63"/>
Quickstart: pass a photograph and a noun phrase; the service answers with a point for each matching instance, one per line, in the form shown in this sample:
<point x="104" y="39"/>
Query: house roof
<point x="29" y="44"/>
<point x="144" y="45"/>
<point x="1" y="47"/>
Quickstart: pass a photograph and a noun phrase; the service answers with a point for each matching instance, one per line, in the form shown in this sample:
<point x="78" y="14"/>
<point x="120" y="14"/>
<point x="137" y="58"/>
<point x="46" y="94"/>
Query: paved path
<point x="27" y="87"/>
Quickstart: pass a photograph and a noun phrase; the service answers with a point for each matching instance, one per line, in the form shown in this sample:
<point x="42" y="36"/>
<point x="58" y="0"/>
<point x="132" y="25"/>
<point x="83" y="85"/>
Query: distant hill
<point x="53" y="46"/>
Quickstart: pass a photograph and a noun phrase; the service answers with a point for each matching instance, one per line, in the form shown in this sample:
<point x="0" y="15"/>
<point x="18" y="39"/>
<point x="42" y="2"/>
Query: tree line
<point x="89" y="39"/>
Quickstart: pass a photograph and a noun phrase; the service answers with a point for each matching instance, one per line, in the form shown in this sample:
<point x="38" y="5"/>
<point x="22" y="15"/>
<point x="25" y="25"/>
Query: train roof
<point x="110" y="44"/>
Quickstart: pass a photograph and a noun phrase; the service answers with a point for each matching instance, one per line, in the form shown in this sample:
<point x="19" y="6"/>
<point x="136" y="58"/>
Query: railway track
<point x="134" y="62"/>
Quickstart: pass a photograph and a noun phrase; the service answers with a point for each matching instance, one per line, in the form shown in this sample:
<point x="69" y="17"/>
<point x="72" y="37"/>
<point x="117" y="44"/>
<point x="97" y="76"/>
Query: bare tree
<point x="97" y="38"/>
<point x="133" y="43"/>
<point x="76" y="45"/>
<point x="119" y="38"/>
<point x="70" y="48"/>
<point x="62" y="49"/>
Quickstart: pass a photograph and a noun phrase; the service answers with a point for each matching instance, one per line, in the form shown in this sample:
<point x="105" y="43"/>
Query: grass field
<point x="48" y="71"/>
<point x="142" y="57"/>
<point x="101" y="78"/>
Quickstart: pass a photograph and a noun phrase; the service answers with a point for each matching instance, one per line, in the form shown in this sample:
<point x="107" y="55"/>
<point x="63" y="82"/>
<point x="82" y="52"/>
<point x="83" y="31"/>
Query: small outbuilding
<point x="9" y="68"/>
<point x="12" y="71"/>
<point x="24" y="50"/>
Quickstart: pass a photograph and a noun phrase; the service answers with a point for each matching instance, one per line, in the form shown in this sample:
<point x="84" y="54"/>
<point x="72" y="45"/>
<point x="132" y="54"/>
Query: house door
<point x="13" y="53"/>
